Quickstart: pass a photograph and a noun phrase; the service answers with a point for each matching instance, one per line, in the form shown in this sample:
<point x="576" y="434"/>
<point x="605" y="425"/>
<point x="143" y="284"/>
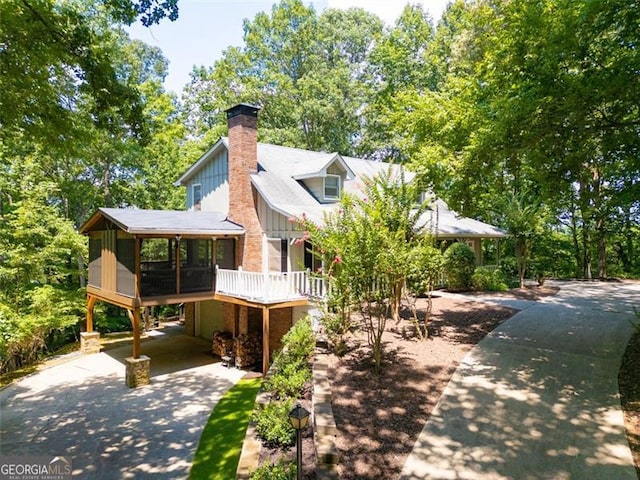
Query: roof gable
<point x="222" y="143"/>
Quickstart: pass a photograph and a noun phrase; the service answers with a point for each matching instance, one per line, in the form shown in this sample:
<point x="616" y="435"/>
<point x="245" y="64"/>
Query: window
<point x="311" y="261"/>
<point x="197" y="196"/>
<point x="332" y="186"/>
<point x="278" y="249"/>
<point x="95" y="261"/>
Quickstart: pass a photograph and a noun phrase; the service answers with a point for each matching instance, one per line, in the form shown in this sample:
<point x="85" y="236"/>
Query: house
<point x="233" y="257"/>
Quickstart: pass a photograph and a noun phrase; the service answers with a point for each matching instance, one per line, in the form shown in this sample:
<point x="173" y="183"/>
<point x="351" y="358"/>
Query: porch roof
<point x="164" y="222"/>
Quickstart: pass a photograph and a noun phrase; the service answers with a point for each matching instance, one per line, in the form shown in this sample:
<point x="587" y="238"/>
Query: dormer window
<point x="332" y="187"/>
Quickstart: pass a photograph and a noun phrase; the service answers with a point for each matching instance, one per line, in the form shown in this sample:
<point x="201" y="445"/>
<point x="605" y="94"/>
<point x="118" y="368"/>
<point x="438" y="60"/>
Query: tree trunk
<point x="586" y="258"/>
<point x="602" y="256"/>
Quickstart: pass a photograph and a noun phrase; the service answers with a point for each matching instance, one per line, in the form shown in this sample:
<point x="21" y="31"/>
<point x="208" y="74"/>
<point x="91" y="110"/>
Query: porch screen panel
<point x="225" y="253"/>
<point x="196" y="265"/>
<point x="125" y="280"/>
<point x="95" y="261"/>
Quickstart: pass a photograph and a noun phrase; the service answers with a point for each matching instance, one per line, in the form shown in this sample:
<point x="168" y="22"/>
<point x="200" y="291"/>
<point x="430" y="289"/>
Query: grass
<point x="220" y="444"/>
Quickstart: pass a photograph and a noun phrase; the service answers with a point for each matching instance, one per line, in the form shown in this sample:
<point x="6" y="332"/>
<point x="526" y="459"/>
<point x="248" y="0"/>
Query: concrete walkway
<point x="82" y="410"/>
<point x="538" y="397"/>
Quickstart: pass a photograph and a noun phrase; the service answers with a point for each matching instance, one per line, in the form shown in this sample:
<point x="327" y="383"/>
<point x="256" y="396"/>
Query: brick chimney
<point x="242" y="121"/>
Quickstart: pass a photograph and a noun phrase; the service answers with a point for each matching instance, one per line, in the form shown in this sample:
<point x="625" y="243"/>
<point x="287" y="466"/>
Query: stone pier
<point x="90" y="342"/>
<point x="137" y="373"/>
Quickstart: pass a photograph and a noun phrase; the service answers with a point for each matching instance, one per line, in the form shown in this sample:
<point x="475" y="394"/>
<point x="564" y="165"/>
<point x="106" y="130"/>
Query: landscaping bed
<point x="380" y="417"/>
<point x="629" y="382"/>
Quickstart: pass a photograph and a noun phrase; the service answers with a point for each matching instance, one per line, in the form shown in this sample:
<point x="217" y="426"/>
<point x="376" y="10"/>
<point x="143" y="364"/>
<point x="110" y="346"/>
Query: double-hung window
<point x="332" y="187"/>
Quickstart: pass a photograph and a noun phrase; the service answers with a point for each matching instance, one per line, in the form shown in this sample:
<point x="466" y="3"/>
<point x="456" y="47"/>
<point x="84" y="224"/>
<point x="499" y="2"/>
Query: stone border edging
<point x="324" y="424"/>
<point x="250" y="454"/>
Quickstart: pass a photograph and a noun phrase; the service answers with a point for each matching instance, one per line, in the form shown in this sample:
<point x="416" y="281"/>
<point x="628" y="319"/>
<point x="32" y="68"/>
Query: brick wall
<point x="280" y="321"/>
<point x="190" y="318"/>
<point x="243" y="161"/>
<point x="229" y="316"/>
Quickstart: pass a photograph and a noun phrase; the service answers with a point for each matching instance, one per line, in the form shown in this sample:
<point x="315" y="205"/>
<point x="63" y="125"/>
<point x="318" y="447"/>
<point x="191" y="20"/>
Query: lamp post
<point x="299" y="419"/>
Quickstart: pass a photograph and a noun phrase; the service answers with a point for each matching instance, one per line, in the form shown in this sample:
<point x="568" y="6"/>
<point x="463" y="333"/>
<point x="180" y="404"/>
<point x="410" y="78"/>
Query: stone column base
<point x="90" y="342"/>
<point x="137" y="373"/>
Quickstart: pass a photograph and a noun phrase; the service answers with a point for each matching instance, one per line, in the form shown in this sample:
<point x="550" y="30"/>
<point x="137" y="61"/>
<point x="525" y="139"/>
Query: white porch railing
<point x="269" y="287"/>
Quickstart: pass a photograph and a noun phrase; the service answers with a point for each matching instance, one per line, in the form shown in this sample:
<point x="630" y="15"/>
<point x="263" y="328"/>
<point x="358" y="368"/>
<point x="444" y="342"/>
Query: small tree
<point x="523" y="219"/>
<point x="364" y="246"/>
<point x="460" y="263"/>
<point x="424" y="270"/>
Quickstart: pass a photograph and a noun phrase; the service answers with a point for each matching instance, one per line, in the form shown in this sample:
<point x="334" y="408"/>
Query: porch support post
<point x="265" y="340"/>
<point x="91" y="301"/>
<point x="178" y="264"/>
<point x="134" y="316"/>
<point x="90" y="340"/>
<point x="137" y="366"/>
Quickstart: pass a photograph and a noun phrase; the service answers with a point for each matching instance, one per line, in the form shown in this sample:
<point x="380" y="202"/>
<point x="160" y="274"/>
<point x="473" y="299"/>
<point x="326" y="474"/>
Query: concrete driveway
<point x="538" y="397"/>
<point x="82" y="410"/>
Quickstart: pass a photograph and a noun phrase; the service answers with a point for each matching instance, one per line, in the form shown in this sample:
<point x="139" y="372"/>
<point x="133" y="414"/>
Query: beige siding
<point x="274" y="224"/>
<point x="208" y="318"/>
<point x="214" y="181"/>
<point x="316" y="187"/>
<point x="109" y="263"/>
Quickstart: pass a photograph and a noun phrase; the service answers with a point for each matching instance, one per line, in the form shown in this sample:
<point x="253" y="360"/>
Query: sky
<point x="205" y="28"/>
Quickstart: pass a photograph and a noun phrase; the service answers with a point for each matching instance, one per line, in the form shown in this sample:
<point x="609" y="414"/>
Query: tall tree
<point x="307" y="71"/>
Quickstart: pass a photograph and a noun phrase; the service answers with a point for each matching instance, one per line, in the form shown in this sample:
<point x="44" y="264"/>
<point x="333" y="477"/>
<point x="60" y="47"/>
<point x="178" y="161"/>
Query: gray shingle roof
<point x="166" y="222"/>
<point x="279" y="183"/>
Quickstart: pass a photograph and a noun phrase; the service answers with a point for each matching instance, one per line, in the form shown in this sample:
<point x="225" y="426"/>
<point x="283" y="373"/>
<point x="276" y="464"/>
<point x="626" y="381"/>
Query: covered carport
<point x="143" y="258"/>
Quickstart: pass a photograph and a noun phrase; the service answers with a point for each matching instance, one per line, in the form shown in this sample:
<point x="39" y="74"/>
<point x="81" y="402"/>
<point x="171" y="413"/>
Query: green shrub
<point x="297" y="344"/>
<point x="272" y="423"/>
<point x="289" y="380"/>
<point x="104" y="324"/>
<point x="460" y="263"/>
<point x="274" y="471"/>
<point x="489" y="280"/>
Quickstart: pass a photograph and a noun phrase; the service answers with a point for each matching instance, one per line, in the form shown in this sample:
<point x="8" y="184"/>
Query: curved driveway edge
<point x="82" y="410"/>
<point x="538" y="397"/>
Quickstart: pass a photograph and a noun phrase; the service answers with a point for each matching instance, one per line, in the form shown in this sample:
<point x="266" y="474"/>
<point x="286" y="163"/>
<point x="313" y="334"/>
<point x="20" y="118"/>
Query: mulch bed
<point x="629" y="384"/>
<point x="379" y="417"/>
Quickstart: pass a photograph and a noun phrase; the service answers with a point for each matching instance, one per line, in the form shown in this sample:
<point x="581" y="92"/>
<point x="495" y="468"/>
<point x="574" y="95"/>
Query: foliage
<point x="289" y="380"/>
<point x="523" y="219"/>
<point x="523" y="104"/>
<point x="280" y="470"/>
<point x="292" y="371"/>
<point x="424" y="270"/>
<point x="109" y="324"/>
<point x="291" y="366"/>
<point x="272" y="423"/>
<point x="308" y="71"/>
<point x="227" y="425"/>
<point x="366" y="245"/>
<point x="489" y="280"/>
<point x="460" y="263"/>
<point x="298" y="344"/>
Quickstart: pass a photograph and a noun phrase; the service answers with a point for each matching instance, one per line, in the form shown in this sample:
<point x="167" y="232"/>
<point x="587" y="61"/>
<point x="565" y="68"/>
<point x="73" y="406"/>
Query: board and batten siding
<point x="276" y="225"/>
<point x="213" y="178"/>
